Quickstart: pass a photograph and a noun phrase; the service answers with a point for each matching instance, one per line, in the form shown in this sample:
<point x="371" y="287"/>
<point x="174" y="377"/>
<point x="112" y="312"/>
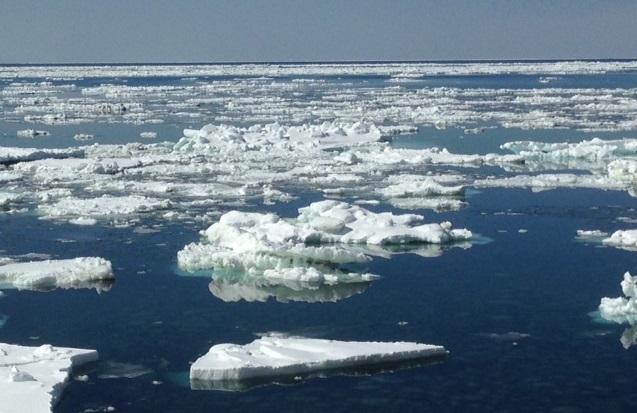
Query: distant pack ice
<point x="32" y="378"/>
<point x="226" y="365"/>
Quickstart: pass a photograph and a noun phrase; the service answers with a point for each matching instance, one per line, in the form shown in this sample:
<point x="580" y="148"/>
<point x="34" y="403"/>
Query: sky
<point x="164" y="31"/>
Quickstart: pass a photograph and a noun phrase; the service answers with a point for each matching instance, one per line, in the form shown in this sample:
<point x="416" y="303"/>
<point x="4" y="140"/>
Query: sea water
<point x="513" y="310"/>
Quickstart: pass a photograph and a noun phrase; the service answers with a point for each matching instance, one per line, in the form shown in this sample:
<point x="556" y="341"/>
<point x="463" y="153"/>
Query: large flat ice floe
<point x="311" y="247"/>
<point x="32" y="378"/>
<point x="225" y="366"/>
<point x="69" y="273"/>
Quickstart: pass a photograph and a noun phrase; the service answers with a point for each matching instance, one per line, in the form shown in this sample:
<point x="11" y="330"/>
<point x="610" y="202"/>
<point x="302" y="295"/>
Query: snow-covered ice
<point x="103" y="206"/>
<point x="594" y="149"/>
<point x="622" y="309"/>
<point x="225" y="365"/>
<point x="32" y="378"/>
<point x="328" y="135"/>
<point x="48" y="274"/>
<point x="625" y="239"/>
<point x="310" y="247"/>
<point x="10" y="156"/>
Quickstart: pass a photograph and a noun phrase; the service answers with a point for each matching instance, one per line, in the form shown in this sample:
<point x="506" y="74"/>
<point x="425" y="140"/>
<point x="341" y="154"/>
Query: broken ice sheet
<point x="33" y="378"/>
<point x="311" y="248"/>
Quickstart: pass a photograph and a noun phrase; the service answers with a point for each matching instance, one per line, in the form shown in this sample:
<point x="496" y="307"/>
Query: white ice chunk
<point x="83" y="271"/>
<point x="32" y="378"/>
<point x="623" y="170"/>
<point x="212" y="138"/>
<point x="427" y="187"/>
<point x="552" y="181"/>
<point x="283" y="356"/>
<point x="620" y="309"/>
<point x="104" y="206"/>
<point x="15" y="155"/>
<point x="594" y="149"/>
<point x="626" y="239"/>
<point x="31" y="133"/>
<point x="309" y="247"/>
<point x="595" y="233"/>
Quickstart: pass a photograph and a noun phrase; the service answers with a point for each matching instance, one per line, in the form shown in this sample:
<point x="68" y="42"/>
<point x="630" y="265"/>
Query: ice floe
<point x="626" y="239"/>
<point x="10" y="156"/>
<point x="622" y="309"/>
<point x="595" y="154"/>
<point x="103" y="206"/>
<point x="32" y="379"/>
<point x="309" y="248"/>
<point x="272" y="358"/>
<point x="328" y="135"/>
<point x="30" y="133"/>
<point x="49" y="274"/>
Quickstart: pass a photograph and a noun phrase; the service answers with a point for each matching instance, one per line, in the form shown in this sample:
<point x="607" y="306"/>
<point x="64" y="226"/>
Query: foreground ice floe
<point x="70" y="273"/>
<point x="32" y="378"/>
<point x="272" y="358"/>
<point x="309" y="248"/>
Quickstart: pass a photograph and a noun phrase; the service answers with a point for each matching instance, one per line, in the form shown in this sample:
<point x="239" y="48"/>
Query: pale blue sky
<point x="125" y="31"/>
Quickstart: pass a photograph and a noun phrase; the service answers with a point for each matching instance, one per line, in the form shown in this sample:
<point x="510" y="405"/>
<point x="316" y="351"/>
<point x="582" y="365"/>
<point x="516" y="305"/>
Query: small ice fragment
<point x="148" y="135"/>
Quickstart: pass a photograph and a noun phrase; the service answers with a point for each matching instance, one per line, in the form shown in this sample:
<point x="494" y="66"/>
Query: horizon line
<point x="323" y="62"/>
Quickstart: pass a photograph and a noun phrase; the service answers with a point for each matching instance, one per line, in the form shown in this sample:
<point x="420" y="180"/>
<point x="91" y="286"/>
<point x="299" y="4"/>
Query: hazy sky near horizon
<point x="130" y="31"/>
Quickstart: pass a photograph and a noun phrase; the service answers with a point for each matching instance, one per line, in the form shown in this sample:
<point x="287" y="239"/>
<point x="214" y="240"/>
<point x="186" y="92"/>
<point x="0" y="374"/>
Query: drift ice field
<point x="453" y="237"/>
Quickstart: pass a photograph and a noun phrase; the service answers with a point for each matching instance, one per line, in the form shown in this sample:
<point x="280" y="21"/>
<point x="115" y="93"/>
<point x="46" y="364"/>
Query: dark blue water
<point x="533" y="279"/>
<point x="539" y="282"/>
